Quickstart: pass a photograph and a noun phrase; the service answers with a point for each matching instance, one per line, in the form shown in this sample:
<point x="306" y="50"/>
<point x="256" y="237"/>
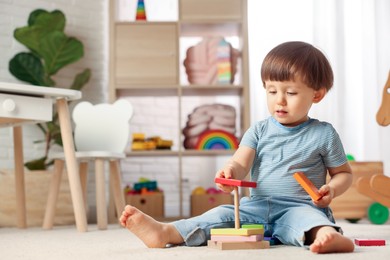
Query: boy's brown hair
<point x="290" y="60"/>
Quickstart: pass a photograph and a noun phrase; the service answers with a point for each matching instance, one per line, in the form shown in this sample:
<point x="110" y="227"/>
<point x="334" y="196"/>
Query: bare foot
<point x="153" y="233"/>
<point x="331" y="242"/>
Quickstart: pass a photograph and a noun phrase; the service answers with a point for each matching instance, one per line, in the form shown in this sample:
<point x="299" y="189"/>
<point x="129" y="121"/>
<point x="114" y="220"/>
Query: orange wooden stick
<point x="307" y="185"/>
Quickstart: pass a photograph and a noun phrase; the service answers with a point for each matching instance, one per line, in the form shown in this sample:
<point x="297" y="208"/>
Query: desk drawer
<point x="26" y="108"/>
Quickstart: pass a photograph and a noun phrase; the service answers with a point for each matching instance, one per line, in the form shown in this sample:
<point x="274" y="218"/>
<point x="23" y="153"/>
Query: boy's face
<point x="289" y="102"/>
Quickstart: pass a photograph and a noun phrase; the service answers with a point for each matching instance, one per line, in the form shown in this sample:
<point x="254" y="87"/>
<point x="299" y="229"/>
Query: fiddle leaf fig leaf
<point x="28" y="67"/>
<point x="40" y="23"/>
<point x="81" y="79"/>
<point x="33" y="16"/>
<point x="38" y="164"/>
<point x="58" y="50"/>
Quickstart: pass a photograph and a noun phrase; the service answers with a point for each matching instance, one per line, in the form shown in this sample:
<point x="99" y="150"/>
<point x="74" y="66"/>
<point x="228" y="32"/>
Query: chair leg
<point x="112" y="219"/>
<point x="53" y="194"/>
<point x="116" y="186"/>
<point x="101" y="205"/>
<point x="84" y="179"/>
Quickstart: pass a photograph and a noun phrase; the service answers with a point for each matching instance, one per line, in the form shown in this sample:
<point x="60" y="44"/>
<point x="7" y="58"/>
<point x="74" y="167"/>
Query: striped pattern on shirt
<point x="310" y="147"/>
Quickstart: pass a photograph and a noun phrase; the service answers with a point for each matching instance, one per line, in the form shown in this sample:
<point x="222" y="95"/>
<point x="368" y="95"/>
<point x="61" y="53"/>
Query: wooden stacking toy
<point x="246" y="237"/>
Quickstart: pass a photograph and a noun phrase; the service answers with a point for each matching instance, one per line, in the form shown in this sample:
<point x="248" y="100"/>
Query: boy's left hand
<point x="327" y="194"/>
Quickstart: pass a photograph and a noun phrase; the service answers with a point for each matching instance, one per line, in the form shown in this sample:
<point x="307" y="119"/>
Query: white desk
<point x="20" y="104"/>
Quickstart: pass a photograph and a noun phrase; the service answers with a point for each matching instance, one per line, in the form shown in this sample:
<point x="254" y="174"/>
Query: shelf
<point x="173" y="90"/>
<point x="200" y="10"/>
<point x="216" y="90"/>
<point x="207" y="152"/>
<point x="209" y="29"/>
<point x="123" y="90"/>
<point x="155" y="153"/>
<point x="151" y="153"/>
<point x="147" y="23"/>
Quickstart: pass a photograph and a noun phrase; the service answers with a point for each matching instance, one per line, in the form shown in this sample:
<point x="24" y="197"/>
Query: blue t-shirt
<point x="281" y="151"/>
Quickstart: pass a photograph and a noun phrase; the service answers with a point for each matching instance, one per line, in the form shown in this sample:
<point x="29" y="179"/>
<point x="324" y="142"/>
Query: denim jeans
<point x="284" y="218"/>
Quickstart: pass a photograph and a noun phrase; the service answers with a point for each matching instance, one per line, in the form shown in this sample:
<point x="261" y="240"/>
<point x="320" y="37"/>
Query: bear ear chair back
<point x="383" y="115"/>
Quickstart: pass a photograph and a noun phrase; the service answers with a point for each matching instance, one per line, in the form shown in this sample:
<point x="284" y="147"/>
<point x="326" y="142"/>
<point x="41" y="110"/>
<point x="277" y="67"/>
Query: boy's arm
<point x="237" y="167"/>
<point x="341" y="180"/>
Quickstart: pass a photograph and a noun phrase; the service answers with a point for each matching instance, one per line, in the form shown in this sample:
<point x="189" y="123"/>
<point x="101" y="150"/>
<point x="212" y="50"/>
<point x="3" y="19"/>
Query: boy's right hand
<point x="226" y="173"/>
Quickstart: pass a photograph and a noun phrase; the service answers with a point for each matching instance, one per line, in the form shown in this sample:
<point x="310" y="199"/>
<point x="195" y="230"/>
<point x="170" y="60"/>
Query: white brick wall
<point x="88" y="21"/>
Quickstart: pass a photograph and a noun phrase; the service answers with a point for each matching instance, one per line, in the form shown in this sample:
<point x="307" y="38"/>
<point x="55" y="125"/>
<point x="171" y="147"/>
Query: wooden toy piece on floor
<point x="247" y="237"/>
<point x="238" y="245"/>
<point x="370" y="242"/>
<point x="238" y="238"/>
<point x="249" y="226"/>
<point x="307" y="185"/>
<point x="236" y="184"/>
<point x="245" y="233"/>
<point x="238" y="232"/>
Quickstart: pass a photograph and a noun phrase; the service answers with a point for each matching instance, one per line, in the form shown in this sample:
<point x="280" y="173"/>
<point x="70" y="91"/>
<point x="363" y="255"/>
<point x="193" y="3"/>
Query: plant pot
<point x="37" y="186"/>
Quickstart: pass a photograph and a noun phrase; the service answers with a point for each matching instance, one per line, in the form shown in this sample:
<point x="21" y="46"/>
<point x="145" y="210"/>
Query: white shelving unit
<point x="146" y="60"/>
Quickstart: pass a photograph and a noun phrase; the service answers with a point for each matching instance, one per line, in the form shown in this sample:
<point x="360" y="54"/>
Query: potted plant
<point x="50" y="49"/>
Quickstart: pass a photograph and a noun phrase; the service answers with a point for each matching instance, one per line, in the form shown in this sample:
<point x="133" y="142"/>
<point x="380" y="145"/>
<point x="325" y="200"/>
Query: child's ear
<point x="319" y="95"/>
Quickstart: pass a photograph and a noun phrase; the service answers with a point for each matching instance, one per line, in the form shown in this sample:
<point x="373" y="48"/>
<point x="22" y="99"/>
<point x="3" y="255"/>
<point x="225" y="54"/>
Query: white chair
<point x="101" y="134"/>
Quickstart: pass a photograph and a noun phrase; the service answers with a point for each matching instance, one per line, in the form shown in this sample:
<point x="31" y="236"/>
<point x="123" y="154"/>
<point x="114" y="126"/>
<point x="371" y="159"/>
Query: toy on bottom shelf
<point x="143" y="186"/>
<point x="146" y="196"/>
<point x="246" y="237"/>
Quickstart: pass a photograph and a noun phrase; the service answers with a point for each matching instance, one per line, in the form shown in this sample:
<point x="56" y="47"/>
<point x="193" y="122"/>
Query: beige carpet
<point x="117" y="243"/>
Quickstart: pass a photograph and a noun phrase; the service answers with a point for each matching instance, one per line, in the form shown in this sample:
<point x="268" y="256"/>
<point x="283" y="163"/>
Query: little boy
<point x="295" y="75"/>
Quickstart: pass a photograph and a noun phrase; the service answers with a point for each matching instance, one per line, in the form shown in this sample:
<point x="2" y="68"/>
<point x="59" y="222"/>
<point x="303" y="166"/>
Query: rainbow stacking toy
<point x="141" y="13"/>
<point x="224" y="66"/>
<point x="216" y="139"/>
